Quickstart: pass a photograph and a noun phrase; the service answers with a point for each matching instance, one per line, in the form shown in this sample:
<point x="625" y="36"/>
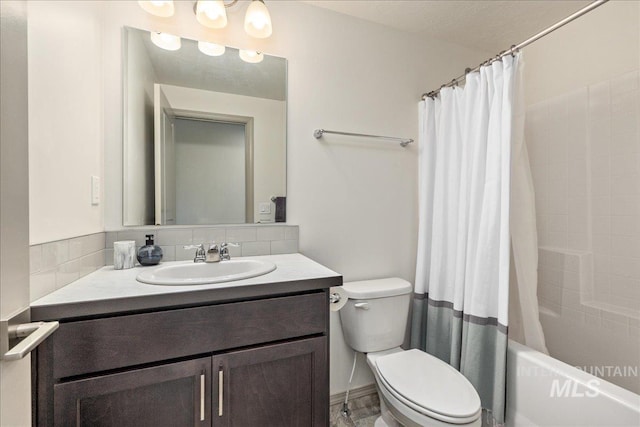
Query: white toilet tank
<point x="375" y="316"/>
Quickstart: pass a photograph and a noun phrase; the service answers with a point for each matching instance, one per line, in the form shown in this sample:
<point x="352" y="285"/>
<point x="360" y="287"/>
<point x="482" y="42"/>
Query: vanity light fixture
<point x="166" y="41"/>
<point x="161" y="8"/>
<point x="211" y="13"/>
<point x="251" y="56"/>
<point x="211" y="49"/>
<point x="257" y="21"/>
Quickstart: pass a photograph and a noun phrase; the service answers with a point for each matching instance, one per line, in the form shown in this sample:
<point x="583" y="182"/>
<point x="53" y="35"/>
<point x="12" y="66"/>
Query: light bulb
<point x="211" y="49"/>
<point x="166" y="41"/>
<point x="211" y="13"/>
<point x="257" y="21"/>
<point x="161" y="8"/>
<point x="251" y="56"/>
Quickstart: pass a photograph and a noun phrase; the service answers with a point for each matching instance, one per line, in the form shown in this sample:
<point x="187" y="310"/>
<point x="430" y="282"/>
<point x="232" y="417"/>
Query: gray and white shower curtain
<point x="462" y="279"/>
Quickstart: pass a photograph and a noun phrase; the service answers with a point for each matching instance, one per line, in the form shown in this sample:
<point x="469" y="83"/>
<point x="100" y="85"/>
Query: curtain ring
<point x="454" y="82"/>
<point x="514" y="49"/>
<point x="467" y="71"/>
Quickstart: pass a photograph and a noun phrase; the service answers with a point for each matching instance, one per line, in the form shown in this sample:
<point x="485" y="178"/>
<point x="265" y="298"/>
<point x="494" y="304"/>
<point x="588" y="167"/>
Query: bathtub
<point x="543" y="391"/>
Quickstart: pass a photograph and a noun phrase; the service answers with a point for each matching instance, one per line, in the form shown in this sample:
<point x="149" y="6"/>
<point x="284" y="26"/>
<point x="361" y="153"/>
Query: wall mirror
<point x="204" y="135"/>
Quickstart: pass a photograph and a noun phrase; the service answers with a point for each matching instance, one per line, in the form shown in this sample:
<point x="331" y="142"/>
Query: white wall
<point x="65" y="118"/>
<point x="15" y="384"/>
<point x="139" y="189"/>
<point x="270" y="140"/>
<point x="210" y="172"/>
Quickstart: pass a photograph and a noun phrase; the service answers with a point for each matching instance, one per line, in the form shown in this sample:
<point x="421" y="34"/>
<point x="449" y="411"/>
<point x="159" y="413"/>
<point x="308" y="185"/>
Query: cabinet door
<point x="278" y="385"/>
<point x="171" y="395"/>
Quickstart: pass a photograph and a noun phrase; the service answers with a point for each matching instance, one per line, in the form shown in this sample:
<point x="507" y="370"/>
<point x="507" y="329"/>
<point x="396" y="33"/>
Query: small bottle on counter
<point x="149" y="254"/>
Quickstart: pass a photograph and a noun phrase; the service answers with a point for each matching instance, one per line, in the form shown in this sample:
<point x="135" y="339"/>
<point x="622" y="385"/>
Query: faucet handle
<point x="200" y="246"/>
<point x="226" y="245"/>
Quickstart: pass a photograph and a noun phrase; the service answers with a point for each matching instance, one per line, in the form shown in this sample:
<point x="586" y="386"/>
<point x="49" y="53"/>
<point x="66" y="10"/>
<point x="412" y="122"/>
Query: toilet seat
<point x="429" y="386"/>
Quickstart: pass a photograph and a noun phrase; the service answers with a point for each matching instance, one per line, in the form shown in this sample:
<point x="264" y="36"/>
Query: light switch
<point x="265" y="208"/>
<point x="95" y="190"/>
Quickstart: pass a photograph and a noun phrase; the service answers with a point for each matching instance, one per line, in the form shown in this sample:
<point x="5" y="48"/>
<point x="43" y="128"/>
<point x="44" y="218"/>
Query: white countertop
<point x="108" y="285"/>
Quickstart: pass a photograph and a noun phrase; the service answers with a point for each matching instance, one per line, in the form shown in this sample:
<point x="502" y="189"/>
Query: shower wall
<point x="584" y="151"/>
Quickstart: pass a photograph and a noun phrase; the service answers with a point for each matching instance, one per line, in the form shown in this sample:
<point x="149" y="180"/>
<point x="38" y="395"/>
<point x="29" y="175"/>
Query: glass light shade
<point x="211" y="13"/>
<point x="251" y="56"/>
<point x="257" y="21"/>
<point x="211" y="49"/>
<point x="166" y="41"/>
<point x="161" y="8"/>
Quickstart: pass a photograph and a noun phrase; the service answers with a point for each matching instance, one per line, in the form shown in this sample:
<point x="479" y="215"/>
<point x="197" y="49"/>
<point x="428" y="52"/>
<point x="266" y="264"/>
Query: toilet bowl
<point x="415" y="388"/>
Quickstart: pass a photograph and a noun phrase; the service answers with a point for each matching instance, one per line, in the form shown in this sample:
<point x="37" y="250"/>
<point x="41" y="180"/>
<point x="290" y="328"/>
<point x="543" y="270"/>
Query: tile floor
<point x="364" y="411"/>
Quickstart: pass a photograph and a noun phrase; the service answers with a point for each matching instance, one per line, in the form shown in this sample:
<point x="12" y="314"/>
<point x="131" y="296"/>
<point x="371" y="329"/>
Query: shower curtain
<point x="462" y="278"/>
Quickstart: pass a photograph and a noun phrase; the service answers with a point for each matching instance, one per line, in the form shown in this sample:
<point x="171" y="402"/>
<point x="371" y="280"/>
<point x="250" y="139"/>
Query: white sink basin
<point x="205" y="273"/>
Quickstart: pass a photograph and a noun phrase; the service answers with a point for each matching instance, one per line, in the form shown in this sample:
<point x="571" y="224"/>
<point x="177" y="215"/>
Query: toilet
<point x="415" y="388"/>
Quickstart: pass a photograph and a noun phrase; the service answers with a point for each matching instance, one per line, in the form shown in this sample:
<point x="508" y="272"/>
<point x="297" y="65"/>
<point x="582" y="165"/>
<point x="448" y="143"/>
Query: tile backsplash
<point x="56" y="264"/>
<point x="251" y="240"/>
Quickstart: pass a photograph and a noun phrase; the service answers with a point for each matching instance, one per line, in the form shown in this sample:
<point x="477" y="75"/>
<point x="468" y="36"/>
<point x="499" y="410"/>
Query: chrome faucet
<point x="214" y="254"/>
<point x="224" y="251"/>
<point x="200" y="254"/>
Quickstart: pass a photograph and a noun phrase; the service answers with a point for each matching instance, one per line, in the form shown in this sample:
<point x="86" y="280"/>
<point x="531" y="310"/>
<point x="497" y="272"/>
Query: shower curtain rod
<point x="517" y="47"/>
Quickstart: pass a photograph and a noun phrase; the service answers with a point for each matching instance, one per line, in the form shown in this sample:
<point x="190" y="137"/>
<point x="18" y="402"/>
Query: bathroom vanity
<point x="248" y="353"/>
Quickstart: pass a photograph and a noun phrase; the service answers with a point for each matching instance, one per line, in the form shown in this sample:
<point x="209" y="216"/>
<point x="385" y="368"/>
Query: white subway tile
<point x="284" y="247"/>
<point x="625" y="83"/>
<point x="270" y="233"/>
<point x="558" y="240"/>
<point x="625" y="185"/>
<point x="625" y="246"/>
<point x="559" y="223"/>
<point x="626" y="225"/>
<point x="209" y="235"/>
<point x="182" y="254"/>
<point x="601" y="206"/>
<point x="601" y="224"/>
<point x="625" y="205"/>
<point x="571" y="299"/>
<point x="571" y="315"/>
<point x="578" y="241"/>
<point x="41" y="284"/>
<point x="571" y="281"/>
<point x="291" y="232"/>
<point x="35" y="259"/>
<point x="602" y="263"/>
<point x="625" y="267"/>
<point x="170" y="237"/>
<point x="256" y="248"/>
<point x="169" y="253"/>
<point x="241" y="234"/>
<point x="600" y="137"/>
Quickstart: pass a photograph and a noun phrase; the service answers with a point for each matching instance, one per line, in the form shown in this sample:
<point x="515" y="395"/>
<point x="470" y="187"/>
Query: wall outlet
<point x="265" y="208"/>
<point x="95" y="190"/>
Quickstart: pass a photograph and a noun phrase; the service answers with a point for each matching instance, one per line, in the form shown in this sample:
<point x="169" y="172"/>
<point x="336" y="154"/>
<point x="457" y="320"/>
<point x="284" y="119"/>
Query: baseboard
<point x="353" y="394"/>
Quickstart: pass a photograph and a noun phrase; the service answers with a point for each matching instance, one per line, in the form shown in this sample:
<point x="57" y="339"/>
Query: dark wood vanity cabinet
<point x="249" y="363"/>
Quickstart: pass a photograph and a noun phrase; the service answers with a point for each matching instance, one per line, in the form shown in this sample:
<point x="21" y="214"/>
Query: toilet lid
<point x="429" y="383"/>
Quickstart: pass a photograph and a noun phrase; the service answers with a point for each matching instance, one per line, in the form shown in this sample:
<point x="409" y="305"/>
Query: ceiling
<point x="489" y="25"/>
<point x="228" y="73"/>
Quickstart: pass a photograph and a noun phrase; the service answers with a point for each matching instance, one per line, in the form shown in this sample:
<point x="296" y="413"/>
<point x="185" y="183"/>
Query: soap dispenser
<point x="149" y="254"/>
